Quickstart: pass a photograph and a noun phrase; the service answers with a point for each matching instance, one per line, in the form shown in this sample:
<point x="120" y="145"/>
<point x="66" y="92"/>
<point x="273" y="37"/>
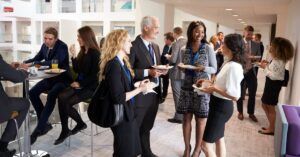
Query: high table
<point x="27" y="146"/>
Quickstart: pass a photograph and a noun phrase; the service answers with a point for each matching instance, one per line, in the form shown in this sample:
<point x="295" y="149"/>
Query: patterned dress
<point x="190" y="101"/>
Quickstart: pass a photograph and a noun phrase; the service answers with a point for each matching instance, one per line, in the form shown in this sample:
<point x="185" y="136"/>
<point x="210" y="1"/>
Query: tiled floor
<point x="242" y="139"/>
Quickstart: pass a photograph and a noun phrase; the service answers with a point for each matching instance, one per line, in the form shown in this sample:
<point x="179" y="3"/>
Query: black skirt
<point x="271" y="91"/>
<point x="220" y="111"/>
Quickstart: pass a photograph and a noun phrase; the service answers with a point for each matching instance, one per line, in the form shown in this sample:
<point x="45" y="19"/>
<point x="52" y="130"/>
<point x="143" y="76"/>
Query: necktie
<point x="151" y="52"/>
<point x="48" y="52"/>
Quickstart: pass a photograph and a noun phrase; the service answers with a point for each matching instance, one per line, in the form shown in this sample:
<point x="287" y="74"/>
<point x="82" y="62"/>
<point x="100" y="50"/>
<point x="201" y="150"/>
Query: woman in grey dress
<point x="197" y="53"/>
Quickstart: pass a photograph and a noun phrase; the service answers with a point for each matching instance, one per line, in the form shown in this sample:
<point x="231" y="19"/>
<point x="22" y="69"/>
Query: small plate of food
<point x="54" y="71"/>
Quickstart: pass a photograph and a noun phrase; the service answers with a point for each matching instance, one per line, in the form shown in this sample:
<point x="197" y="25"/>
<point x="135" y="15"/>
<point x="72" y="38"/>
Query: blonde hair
<point x="213" y="39"/>
<point x="113" y="44"/>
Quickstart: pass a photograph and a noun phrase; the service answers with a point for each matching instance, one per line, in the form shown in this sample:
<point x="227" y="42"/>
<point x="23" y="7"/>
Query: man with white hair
<point x="144" y="53"/>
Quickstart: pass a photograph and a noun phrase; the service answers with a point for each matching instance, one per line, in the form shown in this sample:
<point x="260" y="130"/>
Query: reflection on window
<point x="130" y="29"/>
<point x="121" y="5"/>
<point x="23" y="32"/>
<point x="5" y="32"/>
<point x="92" y="6"/>
<point x="43" y="6"/>
<point x="67" y="6"/>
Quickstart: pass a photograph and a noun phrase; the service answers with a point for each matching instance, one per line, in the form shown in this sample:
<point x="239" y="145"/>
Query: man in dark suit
<point x="8" y="105"/>
<point x="143" y="55"/>
<point x="217" y="48"/>
<point x="52" y="49"/>
<point x="169" y="39"/>
<point x="252" y="51"/>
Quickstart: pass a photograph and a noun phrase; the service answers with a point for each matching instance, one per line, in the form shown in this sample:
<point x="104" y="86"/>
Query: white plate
<point x="43" y="67"/>
<point x="150" y="87"/>
<point x="54" y="71"/>
<point x="199" y="90"/>
<point x="185" y="66"/>
<point x="162" y="67"/>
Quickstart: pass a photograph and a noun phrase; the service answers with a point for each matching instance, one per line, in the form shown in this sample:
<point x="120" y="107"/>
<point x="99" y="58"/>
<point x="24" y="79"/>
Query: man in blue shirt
<point x="52" y="49"/>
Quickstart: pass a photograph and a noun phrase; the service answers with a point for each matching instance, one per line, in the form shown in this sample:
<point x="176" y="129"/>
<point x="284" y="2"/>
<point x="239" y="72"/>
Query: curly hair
<point x="113" y="44"/>
<point x="282" y="49"/>
<point x="236" y="44"/>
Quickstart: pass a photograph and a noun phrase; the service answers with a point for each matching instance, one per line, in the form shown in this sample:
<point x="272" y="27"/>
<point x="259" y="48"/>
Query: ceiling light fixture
<point x="239" y="19"/>
<point x="235" y="15"/>
<point x="228" y="9"/>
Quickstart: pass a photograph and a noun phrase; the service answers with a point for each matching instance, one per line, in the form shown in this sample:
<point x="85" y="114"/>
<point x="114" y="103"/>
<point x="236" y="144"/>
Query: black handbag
<point x="102" y="111"/>
<point x="286" y="78"/>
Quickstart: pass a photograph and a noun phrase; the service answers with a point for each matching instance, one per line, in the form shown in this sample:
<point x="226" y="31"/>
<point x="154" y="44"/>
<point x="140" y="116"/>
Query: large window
<point x="5" y="32"/>
<point x="67" y="6"/>
<point x="129" y="26"/>
<point x="121" y="5"/>
<point x="92" y="6"/>
<point x="7" y="53"/>
<point x="23" y="32"/>
<point x="43" y="6"/>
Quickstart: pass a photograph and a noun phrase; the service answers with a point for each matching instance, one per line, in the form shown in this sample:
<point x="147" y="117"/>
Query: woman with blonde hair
<point x="117" y="74"/>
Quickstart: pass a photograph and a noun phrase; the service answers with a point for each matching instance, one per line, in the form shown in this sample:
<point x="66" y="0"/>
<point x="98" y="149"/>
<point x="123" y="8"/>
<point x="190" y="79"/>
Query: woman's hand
<point x="263" y="65"/>
<point x="199" y="67"/>
<point x="75" y="85"/>
<point x="210" y="89"/>
<point x="72" y="51"/>
<point x="144" y="85"/>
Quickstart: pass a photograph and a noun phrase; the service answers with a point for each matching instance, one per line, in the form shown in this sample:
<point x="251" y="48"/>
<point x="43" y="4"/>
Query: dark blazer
<point x="166" y="50"/>
<point x="118" y="85"/>
<point x="87" y="67"/>
<point x="8" y="73"/>
<point x="59" y="52"/>
<point x="140" y="60"/>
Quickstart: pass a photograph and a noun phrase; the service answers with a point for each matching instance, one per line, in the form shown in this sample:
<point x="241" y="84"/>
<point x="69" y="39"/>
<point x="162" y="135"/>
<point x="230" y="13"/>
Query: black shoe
<point x="154" y="155"/>
<point x="47" y="129"/>
<point x="173" y="120"/>
<point x="62" y="137"/>
<point x="162" y="100"/>
<point x="78" y="128"/>
<point x="7" y="153"/>
<point x="36" y="133"/>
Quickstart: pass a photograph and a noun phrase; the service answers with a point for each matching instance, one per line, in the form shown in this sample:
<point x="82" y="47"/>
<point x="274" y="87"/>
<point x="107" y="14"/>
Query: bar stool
<point x="14" y="115"/>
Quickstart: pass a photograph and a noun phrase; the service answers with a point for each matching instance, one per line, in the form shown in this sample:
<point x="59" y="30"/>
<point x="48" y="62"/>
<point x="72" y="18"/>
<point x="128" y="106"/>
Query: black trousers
<point x="20" y="105"/>
<point x="145" y="113"/>
<point x="66" y="100"/>
<point x="165" y="79"/>
<point x="250" y="82"/>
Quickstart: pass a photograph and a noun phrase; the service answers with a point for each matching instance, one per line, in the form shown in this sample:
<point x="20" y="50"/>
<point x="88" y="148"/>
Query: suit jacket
<point x="118" y="85"/>
<point x="176" y="58"/>
<point x="140" y="60"/>
<point x="255" y="49"/>
<point x="87" y="67"/>
<point x="59" y="52"/>
<point x="166" y="50"/>
<point x="8" y="73"/>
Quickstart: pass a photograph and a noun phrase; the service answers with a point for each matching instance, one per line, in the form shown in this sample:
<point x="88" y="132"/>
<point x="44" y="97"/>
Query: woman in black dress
<point x="86" y="64"/>
<point x="281" y="50"/>
<point x="225" y="90"/>
<point x="117" y="74"/>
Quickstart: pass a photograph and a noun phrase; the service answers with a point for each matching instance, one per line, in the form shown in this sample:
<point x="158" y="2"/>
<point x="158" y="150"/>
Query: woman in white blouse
<point x="225" y="90"/>
<point x="281" y="50"/>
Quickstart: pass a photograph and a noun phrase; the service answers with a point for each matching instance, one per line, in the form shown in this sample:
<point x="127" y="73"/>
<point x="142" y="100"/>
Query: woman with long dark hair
<point x="86" y="65"/>
<point x="199" y="54"/>
<point x="224" y="91"/>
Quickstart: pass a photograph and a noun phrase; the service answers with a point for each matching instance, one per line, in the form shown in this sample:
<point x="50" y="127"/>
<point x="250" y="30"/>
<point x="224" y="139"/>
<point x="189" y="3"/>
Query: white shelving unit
<point x="21" y="31"/>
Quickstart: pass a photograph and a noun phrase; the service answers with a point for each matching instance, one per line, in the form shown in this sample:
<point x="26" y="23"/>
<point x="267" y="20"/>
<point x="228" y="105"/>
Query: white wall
<point x="291" y="93"/>
<point x="182" y="19"/>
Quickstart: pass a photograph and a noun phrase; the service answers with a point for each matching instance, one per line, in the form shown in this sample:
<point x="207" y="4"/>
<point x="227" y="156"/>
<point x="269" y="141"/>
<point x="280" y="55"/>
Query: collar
<point x="120" y="59"/>
<point x="145" y="42"/>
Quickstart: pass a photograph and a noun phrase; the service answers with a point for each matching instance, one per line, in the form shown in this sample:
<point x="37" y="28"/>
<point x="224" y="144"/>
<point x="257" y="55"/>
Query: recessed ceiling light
<point x="240" y="19"/>
<point x="228" y="9"/>
<point x="235" y="15"/>
<point x="243" y="22"/>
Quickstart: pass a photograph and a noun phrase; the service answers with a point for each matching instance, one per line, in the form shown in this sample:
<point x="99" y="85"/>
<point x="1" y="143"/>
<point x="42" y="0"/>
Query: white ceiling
<point x="254" y="12"/>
